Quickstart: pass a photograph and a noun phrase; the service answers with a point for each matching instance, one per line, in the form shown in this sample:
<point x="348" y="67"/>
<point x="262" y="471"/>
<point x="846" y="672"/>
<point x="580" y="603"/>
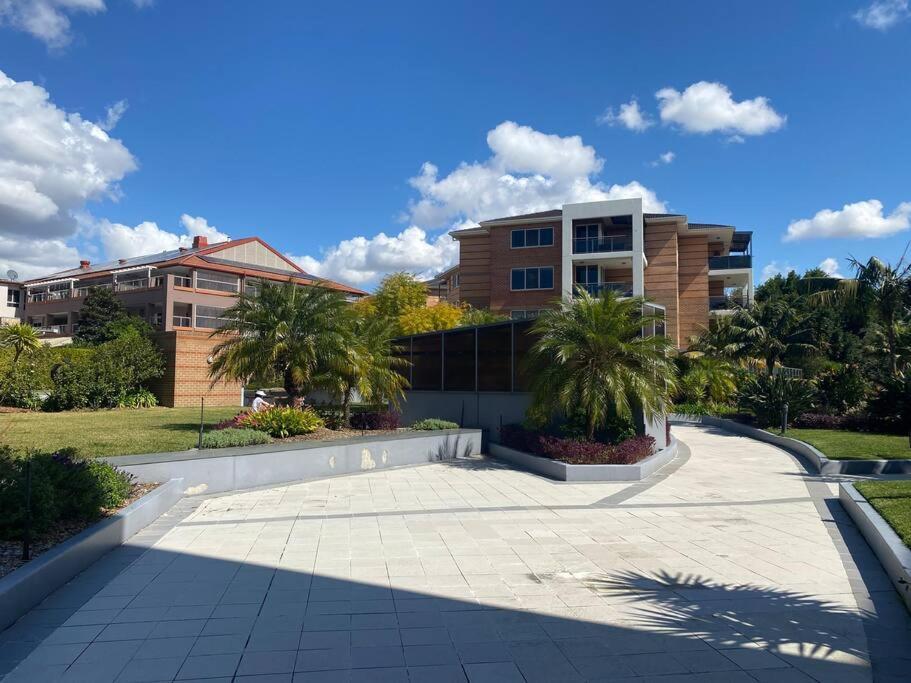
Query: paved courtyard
<point x="730" y="566"/>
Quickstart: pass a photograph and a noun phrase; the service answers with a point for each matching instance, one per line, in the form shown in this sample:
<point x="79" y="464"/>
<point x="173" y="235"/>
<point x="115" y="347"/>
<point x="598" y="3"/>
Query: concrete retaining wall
<point x="230" y="469"/>
<point x="818" y="459"/>
<point x="562" y="471"/>
<point x="27" y="586"/>
<point x="892" y="553"/>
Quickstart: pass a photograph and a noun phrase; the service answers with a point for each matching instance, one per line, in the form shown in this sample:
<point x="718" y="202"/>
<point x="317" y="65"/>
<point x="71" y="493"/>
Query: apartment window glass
<point x="427" y="362"/>
<point x="209" y="317"/>
<point x="587" y="275"/>
<point x="12" y="298"/>
<point x="495" y="358"/>
<point x="532" y="278"/>
<point x="532" y="237"/>
<point x="458" y="359"/>
<point x="220" y="282"/>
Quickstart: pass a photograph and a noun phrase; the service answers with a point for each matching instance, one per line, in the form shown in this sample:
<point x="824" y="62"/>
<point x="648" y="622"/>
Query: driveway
<point x="730" y="565"/>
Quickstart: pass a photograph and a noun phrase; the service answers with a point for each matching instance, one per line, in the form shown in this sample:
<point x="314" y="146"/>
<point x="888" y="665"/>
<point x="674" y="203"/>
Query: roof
<point x="197" y="256"/>
<point x="558" y="213"/>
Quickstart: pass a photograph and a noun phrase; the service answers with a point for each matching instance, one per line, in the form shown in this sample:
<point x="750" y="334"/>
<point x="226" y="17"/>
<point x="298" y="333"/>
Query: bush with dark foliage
<point x="376" y="420"/>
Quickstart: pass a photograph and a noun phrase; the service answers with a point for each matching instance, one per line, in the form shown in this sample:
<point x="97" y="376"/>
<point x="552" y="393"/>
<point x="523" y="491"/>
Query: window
<point x="221" y="282"/>
<point x="455" y="281"/>
<point x="12" y="298"/>
<point x="587" y="275"/>
<point x="532" y="237"/>
<point x="526" y="314"/>
<point x="209" y="317"/>
<point x="532" y="278"/>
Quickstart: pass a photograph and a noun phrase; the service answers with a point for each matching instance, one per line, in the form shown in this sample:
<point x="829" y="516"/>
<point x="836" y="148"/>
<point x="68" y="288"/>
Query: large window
<point x="532" y="278"/>
<point x="12" y="298"/>
<point x="221" y="282"/>
<point x="532" y="237"/>
<point x="209" y="317"/>
<point x="458" y="359"/>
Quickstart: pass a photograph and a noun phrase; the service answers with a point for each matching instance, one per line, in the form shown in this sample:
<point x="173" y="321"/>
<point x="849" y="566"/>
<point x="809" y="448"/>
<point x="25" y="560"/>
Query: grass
<point x="891" y="499"/>
<point x="843" y="445"/>
<point x="109" y="432"/>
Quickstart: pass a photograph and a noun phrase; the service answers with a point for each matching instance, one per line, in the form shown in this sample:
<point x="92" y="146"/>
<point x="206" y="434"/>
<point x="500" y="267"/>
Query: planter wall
<point x="228" y="469"/>
<point x="562" y="471"/>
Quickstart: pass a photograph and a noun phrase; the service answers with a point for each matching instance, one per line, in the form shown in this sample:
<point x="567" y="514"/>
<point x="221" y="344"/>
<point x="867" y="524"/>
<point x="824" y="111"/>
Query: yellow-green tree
<point x="443" y="316"/>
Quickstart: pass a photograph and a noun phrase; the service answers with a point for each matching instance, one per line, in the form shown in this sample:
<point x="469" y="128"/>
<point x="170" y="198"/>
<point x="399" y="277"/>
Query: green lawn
<point x="109" y="432"/>
<point x="842" y="445"/>
<point x="891" y="499"/>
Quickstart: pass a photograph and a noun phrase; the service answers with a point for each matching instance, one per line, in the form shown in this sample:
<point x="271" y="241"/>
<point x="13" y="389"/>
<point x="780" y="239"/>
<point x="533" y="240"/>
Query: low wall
<point x="229" y="469"/>
<point x="818" y="459"/>
<point x="28" y="585"/>
<point x="562" y="471"/>
<point x="888" y="547"/>
<point x="482" y="410"/>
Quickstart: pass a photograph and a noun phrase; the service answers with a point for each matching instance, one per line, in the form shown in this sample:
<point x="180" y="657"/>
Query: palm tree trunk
<point x="292" y="388"/>
<point x="346" y="405"/>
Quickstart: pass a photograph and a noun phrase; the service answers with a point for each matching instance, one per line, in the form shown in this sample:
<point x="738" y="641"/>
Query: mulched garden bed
<point x="325" y="434"/>
<point x="11" y="551"/>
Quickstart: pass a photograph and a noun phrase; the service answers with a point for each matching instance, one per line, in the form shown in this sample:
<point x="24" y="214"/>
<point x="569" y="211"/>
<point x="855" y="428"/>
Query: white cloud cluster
<point x="830" y="267"/>
<point x="628" y="116"/>
<point x="664" y="159"/>
<point x="774" y="268"/>
<point x="857" y="220"/>
<point x="362" y="259"/>
<point x="122" y="241"/>
<point x="710" y="107"/>
<point x="883" y="14"/>
<point x="49" y="20"/>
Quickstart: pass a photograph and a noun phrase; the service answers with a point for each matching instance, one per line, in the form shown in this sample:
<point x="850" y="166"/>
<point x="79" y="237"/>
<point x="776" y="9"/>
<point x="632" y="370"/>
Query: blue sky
<point x="309" y="124"/>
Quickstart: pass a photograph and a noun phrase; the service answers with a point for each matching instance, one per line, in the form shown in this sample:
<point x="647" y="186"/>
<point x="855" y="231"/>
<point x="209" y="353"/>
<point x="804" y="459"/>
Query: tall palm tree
<point x="20" y="337"/>
<point x="298" y="333"/>
<point x="591" y="356"/>
<point x="771" y="329"/>
<point x="721" y="339"/>
<point x="372" y="365"/>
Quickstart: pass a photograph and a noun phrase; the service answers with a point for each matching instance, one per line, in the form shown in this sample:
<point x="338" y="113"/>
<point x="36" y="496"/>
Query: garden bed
<point x="11" y="551"/>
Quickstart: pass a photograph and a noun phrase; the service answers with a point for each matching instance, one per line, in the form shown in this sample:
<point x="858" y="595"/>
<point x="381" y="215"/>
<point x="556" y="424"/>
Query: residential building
<point x="521" y="265"/>
<point x="10" y="301"/>
<point x="443" y="287"/>
<point x="182" y="294"/>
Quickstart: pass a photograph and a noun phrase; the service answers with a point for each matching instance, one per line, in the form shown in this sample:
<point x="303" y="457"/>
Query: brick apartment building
<point x="181" y="293"/>
<point x="519" y="265"/>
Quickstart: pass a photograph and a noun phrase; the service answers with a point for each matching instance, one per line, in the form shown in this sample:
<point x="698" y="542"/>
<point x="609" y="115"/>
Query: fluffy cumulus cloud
<point x="830" y="267"/>
<point x="527" y="171"/>
<point x="857" y="220"/>
<point x="710" y="107"/>
<point x="664" y="159"/>
<point x="774" y="268"/>
<point x="49" y="20"/>
<point x="123" y="241"/>
<point x="628" y="116"/>
<point x="883" y="14"/>
<point x="361" y="259"/>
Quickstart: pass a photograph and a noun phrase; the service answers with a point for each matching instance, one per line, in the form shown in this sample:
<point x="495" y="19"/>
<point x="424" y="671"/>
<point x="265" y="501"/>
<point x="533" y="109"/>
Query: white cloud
<point x="361" y="259"/>
<point x="664" y="159"/>
<point x="38" y="257"/>
<point x="122" y="241"/>
<point x="113" y="114"/>
<point x="883" y="14"/>
<point x="774" y="268"/>
<point x="51" y="163"/>
<point x="47" y="20"/>
<point x="710" y="107"/>
<point x="629" y="116"/>
<point x="857" y="220"/>
<point x="830" y="267"/>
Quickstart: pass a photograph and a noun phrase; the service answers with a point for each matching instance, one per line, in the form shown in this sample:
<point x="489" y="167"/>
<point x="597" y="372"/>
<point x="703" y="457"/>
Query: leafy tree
<point x="443" y="316"/>
<point x="21" y="338"/>
<point x="721" y="339"/>
<point x="591" y="356"/>
<point x="770" y="329"/>
<point x="101" y="311"/>
<point x="397" y="294"/>
<point x="297" y="333"/>
<point x="707" y="378"/>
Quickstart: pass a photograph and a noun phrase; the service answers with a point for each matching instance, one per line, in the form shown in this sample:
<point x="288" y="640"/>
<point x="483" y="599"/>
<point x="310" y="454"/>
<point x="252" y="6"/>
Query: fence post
<point x="202" y="414"/>
<point x="27" y="531"/>
<point x="784" y="418"/>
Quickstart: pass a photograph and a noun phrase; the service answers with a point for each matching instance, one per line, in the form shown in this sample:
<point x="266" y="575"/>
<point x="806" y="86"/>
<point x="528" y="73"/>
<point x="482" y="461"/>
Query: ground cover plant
<point x="226" y="438"/>
<point x="432" y="423"/>
<point x="282" y="421"/>
<point x="892" y="500"/>
<point x="578" y="450"/>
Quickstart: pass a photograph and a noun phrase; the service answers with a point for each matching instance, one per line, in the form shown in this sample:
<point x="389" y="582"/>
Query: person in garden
<point x="260" y="403"/>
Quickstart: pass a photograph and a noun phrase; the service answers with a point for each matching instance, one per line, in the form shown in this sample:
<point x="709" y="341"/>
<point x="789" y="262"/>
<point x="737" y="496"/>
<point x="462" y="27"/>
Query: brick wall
<point x="694" y="286"/>
<point x="186" y="377"/>
<point x="661" y="274"/>
<point x="503" y="258"/>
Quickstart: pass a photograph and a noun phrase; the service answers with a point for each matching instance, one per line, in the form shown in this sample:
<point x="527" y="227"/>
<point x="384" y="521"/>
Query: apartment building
<point x="10" y="301"/>
<point x="444" y="287"/>
<point x="182" y="293"/>
<point x="520" y="265"/>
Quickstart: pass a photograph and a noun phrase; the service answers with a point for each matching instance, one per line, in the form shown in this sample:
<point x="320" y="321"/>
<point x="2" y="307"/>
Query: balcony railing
<point x="727" y="303"/>
<point x="729" y="262"/>
<point x="594" y="245"/>
<point x="182" y="321"/>
<point x="140" y="283"/>
<point x="183" y="281"/>
<point x="595" y="288"/>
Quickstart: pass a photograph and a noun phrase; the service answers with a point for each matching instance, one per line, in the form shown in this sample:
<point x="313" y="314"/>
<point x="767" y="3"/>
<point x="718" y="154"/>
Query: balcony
<point x="596" y="245"/>
<point x="182" y="321"/>
<point x="730" y="262"/>
<point x="727" y="303"/>
<point x="595" y="288"/>
<point x="139" y="283"/>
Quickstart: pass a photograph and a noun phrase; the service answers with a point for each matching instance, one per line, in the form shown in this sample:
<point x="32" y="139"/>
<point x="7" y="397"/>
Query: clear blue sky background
<point x="302" y="122"/>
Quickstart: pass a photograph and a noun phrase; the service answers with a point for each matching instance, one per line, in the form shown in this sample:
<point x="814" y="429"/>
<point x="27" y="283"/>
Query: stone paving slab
<point x="735" y="567"/>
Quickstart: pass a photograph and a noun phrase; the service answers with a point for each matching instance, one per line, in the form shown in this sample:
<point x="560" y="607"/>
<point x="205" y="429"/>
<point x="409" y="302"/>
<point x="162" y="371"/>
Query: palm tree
<point x="721" y="339"/>
<point x="592" y="356"/>
<point x="298" y="333"/>
<point x="372" y="365"/>
<point x="769" y="330"/>
<point x="20" y="337"/>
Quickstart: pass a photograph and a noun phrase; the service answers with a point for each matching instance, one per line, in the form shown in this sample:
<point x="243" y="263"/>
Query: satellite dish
<point x="12" y="274"/>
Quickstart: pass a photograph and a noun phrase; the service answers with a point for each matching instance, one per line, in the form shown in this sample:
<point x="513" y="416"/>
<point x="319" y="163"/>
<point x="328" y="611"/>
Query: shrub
<point x="282" y="421"/>
<point x="432" y="423"/>
<point x="19" y="384"/>
<point x="236" y="422"/>
<point x="332" y="416"/>
<point x="765" y="397"/>
<point x="225" y="438"/>
<point x="583" y="452"/>
<point x="64" y="487"/>
<point x="385" y="419"/>
<point x="139" y="398"/>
